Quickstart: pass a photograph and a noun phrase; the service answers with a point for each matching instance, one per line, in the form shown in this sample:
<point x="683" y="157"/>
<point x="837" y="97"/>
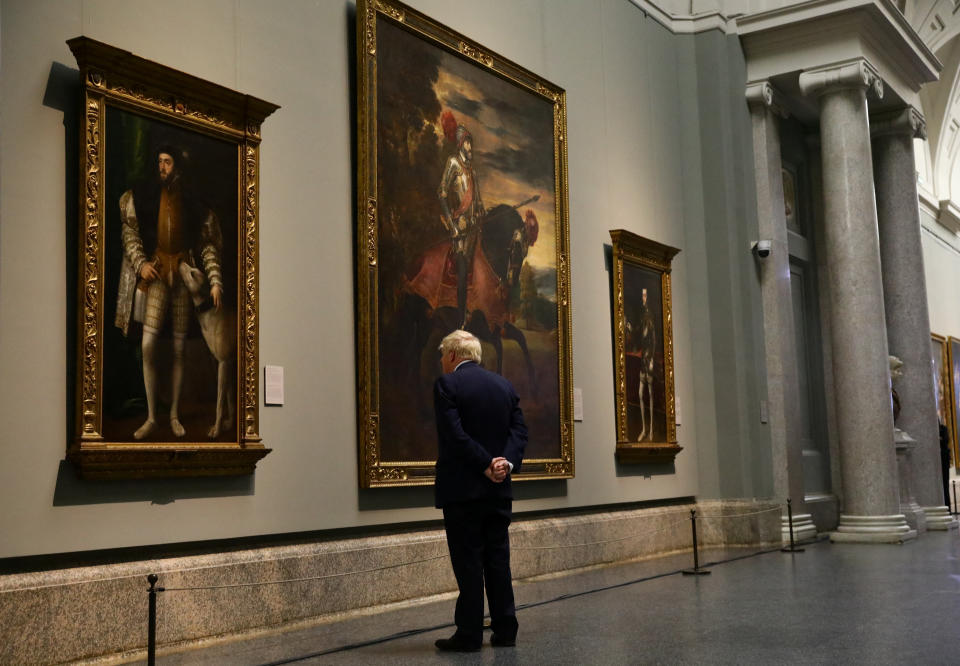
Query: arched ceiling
<point x="938" y="24"/>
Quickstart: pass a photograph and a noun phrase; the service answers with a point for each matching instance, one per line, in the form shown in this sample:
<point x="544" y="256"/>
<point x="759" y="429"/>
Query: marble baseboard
<point x="95" y="612"/>
<point x="804" y="529"/>
<point x="939" y="518"/>
<point x="825" y="511"/>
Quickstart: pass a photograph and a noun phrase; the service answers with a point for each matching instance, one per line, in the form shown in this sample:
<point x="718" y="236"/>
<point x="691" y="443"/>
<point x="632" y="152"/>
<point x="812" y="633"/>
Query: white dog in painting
<point x="219" y="329"/>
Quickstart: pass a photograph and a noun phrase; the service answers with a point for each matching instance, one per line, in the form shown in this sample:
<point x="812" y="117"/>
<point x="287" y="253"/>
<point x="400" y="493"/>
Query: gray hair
<point x="464" y="345"/>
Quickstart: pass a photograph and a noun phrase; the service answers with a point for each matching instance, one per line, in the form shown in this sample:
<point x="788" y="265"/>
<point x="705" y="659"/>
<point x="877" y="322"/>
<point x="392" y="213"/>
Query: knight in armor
<point x="460" y="204"/>
<point x="163" y="225"/>
<point x="643" y="336"/>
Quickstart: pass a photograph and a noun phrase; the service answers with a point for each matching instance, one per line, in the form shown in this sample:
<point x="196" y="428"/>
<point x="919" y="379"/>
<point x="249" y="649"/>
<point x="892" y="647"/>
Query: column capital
<point x="906" y="120"/>
<point x="762" y="94"/>
<point x="855" y="73"/>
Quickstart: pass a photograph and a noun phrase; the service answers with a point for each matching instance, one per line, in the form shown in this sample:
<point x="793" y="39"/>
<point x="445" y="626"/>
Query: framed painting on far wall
<point x="167" y="341"/>
<point x="941" y="385"/>
<point x="953" y="370"/>
<point x="643" y="349"/>
<point x="462" y="223"/>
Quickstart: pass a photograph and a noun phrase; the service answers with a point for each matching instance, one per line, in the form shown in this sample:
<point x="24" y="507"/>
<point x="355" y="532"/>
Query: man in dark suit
<point x="482" y="437"/>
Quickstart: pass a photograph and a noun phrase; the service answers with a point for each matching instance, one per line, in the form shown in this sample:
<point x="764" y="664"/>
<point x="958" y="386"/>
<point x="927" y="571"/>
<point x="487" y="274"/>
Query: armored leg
<point x="180" y="307"/>
<point x="179" y="349"/>
<point x="149" y="349"/>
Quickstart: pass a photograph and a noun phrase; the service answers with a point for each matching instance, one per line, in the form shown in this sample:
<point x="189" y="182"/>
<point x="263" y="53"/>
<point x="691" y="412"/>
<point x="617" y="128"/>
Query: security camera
<point x="762" y="248"/>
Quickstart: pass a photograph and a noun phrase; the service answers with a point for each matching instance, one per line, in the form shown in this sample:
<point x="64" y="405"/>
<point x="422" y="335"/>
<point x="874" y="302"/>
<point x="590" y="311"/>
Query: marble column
<point x="779" y="334"/>
<point x="871" y="500"/>
<point x="905" y="303"/>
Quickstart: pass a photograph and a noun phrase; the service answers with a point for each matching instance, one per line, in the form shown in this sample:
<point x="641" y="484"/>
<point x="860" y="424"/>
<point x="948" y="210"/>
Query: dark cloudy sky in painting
<point x="512" y="131"/>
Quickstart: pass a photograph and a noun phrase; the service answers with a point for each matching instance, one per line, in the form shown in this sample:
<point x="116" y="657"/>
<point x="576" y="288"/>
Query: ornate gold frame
<point x="118" y="78"/>
<point x="952" y="390"/>
<point x="374" y="471"/>
<point x="949" y="415"/>
<point x="633" y="249"/>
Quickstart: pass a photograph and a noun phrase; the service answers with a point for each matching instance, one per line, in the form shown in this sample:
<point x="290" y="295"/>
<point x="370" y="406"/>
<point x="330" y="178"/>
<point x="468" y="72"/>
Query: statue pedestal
<point x="916" y="517"/>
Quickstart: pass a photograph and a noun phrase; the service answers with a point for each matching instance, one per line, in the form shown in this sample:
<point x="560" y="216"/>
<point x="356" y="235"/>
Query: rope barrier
<point x="639" y="534"/>
<point x="793" y="547"/>
<point x="151" y="647"/>
<point x="301" y="580"/>
<point x="696" y="570"/>
<point x="438" y="557"/>
<point x="741" y="515"/>
<point x="600" y="543"/>
<point x="533" y="604"/>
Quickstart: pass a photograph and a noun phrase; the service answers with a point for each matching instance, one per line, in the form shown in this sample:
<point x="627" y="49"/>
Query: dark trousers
<point x="479" y="544"/>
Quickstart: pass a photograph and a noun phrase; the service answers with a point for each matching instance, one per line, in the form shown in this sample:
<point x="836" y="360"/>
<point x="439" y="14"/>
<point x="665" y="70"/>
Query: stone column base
<point x="803" y="528"/>
<point x="939" y="518"/>
<point x="873" y="529"/>
<point x="916" y="517"/>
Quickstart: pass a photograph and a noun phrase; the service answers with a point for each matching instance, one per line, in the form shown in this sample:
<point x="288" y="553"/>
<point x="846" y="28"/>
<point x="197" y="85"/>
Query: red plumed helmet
<point x="449" y="124"/>
<point x="533" y="227"/>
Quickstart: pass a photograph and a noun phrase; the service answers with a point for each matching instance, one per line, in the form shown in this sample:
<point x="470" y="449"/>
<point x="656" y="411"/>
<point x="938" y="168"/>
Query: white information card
<point x="273" y="384"/>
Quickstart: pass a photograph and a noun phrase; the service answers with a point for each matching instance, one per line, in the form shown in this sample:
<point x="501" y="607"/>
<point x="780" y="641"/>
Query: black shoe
<point x="502" y="641"/>
<point x="454" y="644"/>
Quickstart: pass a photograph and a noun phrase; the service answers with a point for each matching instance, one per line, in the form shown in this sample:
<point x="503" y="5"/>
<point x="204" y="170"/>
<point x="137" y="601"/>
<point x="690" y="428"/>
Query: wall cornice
<point x="949" y="215"/>
<point x="813" y="34"/>
<point x="928" y="201"/>
<point x="688" y="24"/>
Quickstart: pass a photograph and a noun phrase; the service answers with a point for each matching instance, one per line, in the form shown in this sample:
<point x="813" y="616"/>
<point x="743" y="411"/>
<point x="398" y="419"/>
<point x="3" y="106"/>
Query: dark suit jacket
<point x="478" y="419"/>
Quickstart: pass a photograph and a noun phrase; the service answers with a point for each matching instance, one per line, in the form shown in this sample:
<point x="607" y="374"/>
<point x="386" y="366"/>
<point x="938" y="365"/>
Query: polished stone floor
<point x="832" y="604"/>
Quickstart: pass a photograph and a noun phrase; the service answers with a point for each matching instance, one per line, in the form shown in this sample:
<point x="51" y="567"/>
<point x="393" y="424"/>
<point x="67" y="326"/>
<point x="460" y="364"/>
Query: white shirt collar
<point x="462" y="362"/>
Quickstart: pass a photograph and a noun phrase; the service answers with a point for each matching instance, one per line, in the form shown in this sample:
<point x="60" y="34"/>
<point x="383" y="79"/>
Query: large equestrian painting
<point x="462" y="225"/>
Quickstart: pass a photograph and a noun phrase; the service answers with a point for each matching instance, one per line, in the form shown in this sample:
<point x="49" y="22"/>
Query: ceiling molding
<point x="878" y="22"/>
<point x="688" y="24"/>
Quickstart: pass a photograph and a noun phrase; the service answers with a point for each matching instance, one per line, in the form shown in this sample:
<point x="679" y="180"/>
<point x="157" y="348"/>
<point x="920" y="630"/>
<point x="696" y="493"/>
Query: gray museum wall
<point x="739" y="463"/>
<point x="659" y="144"/>
<point x="941" y="264"/>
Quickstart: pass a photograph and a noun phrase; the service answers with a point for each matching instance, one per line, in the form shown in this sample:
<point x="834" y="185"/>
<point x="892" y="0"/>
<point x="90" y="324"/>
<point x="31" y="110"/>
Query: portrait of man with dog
<point x="171" y="275"/>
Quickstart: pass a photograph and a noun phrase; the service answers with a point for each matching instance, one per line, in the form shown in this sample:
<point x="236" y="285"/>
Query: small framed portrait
<point x="643" y="349"/>
<point x="790" y="198"/>
<point x="168" y="332"/>
<point x="462" y="224"/>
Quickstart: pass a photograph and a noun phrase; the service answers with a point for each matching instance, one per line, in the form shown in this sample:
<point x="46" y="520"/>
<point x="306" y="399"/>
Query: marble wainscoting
<point x="100" y="612"/>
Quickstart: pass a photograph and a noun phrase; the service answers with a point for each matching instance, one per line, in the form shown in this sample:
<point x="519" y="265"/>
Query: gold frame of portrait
<point x="374" y="471"/>
<point x="111" y="76"/>
<point x="631" y="249"/>
<point x="954" y="424"/>
<point x="949" y="414"/>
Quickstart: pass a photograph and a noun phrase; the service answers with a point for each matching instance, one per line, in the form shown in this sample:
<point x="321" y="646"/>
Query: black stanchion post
<point x="956" y="507"/>
<point x="696" y="570"/>
<point x="152" y="621"/>
<point x="792" y="548"/>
